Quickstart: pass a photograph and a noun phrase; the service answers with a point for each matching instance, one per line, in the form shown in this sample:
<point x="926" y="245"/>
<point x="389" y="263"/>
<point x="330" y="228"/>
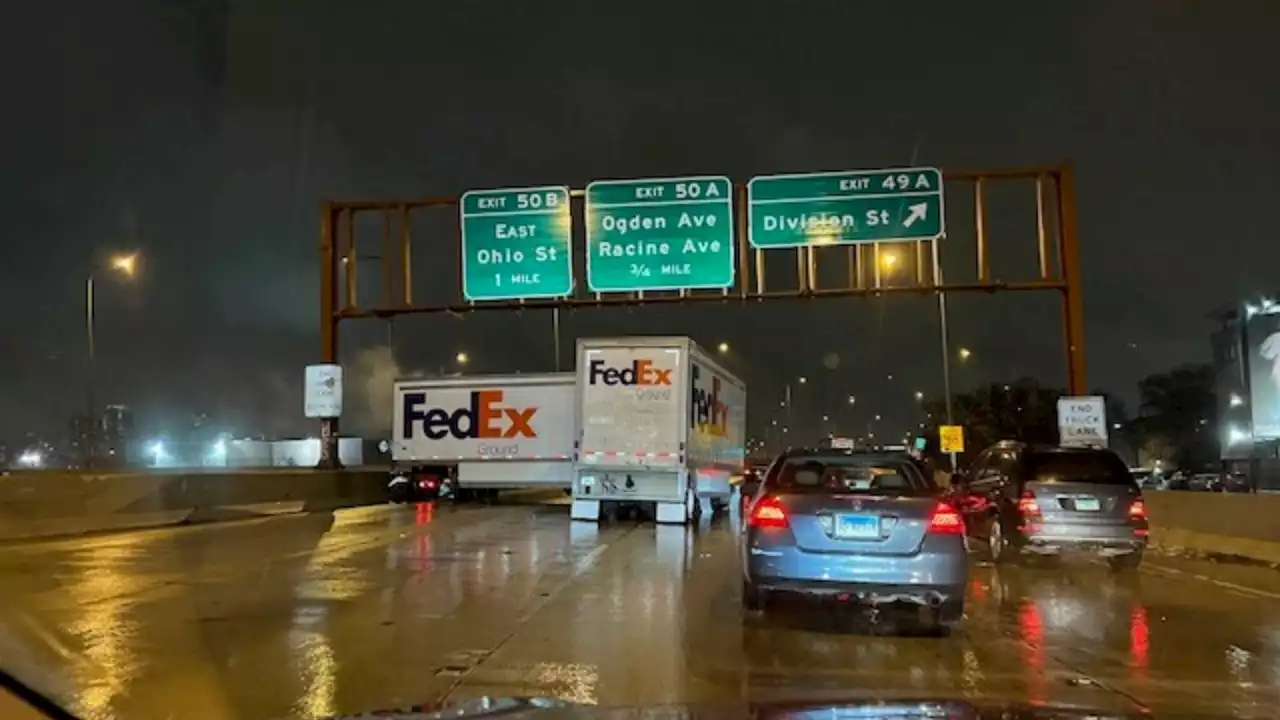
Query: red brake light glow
<point x="1138" y="510"/>
<point x="1027" y="504"/>
<point x="946" y="521"/>
<point x="767" y="513"/>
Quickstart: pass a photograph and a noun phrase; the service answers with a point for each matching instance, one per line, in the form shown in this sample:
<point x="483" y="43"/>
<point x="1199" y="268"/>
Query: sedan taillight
<point x="767" y="513"/>
<point x="946" y="521"/>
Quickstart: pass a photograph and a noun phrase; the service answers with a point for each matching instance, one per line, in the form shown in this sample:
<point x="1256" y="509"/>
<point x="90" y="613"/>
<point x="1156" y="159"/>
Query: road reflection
<point x="1043" y="634"/>
<point x="386" y="607"/>
<point x="103" y="581"/>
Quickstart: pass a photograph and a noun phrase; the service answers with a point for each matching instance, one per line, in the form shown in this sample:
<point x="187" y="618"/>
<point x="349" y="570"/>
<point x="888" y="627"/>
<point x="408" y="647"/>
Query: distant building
<point x="1246" y="364"/>
<point x="117" y="433"/>
<point x="100" y="442"/>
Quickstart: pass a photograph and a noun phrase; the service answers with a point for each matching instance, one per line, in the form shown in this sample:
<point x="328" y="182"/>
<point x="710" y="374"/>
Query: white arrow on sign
<point x="918" y="211"/>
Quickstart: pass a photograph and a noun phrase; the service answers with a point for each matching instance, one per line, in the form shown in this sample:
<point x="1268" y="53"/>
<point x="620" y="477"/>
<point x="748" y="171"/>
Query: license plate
<point x="1087" y="504"/>
<point x="857" y="527"/>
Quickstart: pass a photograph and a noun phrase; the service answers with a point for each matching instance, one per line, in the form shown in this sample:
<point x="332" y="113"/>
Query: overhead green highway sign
<point x="660" y="234"/>
<point x="842" y="208"/>
<point x="516" y="243"/>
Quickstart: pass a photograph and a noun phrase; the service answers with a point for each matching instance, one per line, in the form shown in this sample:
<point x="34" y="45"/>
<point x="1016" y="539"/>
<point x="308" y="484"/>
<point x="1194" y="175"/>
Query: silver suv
<point x="1019" y="498"/>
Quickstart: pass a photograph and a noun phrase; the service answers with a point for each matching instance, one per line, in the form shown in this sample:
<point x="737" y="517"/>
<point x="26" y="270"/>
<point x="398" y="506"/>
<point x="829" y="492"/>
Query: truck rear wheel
<point x="692" y="508"/>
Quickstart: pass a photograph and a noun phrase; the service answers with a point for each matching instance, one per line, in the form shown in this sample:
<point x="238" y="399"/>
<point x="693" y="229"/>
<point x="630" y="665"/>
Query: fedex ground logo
<point x="640" y="373"/>
<point x="645" y="380"/>
<point x="486" y="417"/>
<point x="708" y="412"/>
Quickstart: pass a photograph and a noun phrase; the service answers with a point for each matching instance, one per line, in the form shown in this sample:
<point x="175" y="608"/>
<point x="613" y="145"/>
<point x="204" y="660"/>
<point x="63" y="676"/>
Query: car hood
<point x="855" y="708"/>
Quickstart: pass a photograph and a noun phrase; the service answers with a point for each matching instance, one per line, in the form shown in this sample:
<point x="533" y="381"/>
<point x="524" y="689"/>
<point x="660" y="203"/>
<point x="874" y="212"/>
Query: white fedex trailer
<point x="487" y="432"/>
<point x="661" y="425"/>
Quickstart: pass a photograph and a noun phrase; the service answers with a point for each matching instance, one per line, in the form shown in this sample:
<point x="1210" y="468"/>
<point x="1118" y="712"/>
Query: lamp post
<point x="126" y="265"/>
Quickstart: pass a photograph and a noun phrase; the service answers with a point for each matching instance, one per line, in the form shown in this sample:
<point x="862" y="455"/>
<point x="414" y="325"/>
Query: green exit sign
<point x="516" y="243"/>
<point x="660" y="234"/>
<point x="841" y="208"/>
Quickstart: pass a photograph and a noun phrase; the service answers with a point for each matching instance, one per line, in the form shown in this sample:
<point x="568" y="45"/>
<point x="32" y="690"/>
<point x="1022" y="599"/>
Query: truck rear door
<point x="632" y="402"/>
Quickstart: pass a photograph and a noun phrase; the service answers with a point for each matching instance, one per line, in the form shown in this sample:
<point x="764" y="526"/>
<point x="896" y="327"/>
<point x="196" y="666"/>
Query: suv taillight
<point x="767" y="513"/>
<point x="1138" y="509"/>
<point x="1027" y="504"/>
<point x="946" y="521"/>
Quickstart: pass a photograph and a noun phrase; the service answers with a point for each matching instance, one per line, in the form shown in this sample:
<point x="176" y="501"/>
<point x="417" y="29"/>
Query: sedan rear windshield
<point x="848" y="473"/>
<point x="1102" y="468"/>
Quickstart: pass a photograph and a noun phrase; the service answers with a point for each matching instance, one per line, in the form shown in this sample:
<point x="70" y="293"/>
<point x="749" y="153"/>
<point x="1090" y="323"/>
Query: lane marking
<point x="580" y="567"/>
<point x="1245" y="590"/>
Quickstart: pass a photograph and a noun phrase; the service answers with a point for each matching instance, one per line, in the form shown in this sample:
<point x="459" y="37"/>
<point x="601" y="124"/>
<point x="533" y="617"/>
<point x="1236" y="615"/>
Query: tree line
<point x="1175" y="423"/>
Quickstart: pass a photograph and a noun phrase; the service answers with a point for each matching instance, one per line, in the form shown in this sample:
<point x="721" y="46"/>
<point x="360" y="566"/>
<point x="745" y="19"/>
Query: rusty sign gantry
<point x="1055" y="234"/>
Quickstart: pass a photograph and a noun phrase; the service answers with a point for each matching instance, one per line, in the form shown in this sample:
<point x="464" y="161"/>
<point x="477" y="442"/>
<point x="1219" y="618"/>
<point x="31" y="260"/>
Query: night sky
<point x="205" y="135"/>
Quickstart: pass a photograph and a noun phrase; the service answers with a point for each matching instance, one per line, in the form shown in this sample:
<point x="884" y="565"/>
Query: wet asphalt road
<point x="379" y="607"/>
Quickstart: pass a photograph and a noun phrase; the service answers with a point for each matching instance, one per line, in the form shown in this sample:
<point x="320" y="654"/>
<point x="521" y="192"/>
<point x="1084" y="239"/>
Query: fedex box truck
<point x="661" y="425"/>
<point x="486" y="432"/>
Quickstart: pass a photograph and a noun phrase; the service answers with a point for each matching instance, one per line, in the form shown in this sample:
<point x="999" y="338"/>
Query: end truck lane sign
<point x="660" y="234"/>
<point x="1082" y="421"/>
<point x="844" y="208"/>
<point x="516" y="243"/>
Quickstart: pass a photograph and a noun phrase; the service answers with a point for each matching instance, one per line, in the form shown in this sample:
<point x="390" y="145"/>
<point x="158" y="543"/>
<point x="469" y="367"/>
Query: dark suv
<point x="1018" y="498"/>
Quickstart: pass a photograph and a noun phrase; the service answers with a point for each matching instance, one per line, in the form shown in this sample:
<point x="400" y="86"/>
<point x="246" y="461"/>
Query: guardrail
<point x="16" y="472"/>
<point x="48" y="503"/>
<point x="1228" y="524"/>
<point x="51" y="503"/>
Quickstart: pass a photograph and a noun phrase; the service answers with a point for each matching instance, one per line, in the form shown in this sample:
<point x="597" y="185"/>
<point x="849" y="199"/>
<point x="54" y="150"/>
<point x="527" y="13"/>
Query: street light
<point x="125" y="264"/>
<point x="889" y="261"/>
<point x="31" y="458"/>
<point x="919" y="396"/>
<point x="803" y="379"/>
<point x="853" y="400"/>
<point x="461" y="358"/>
<point x="157" y="452"/>
<point x="964" y="354"/>
<point x="723" y="348"/>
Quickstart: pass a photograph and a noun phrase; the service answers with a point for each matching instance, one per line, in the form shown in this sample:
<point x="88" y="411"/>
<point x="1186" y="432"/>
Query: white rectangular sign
<point x="1082" y="421"/>
<point x="322" y="392"/>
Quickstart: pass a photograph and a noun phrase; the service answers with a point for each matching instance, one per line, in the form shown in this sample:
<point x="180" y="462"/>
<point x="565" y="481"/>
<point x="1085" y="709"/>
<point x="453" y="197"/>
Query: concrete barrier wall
<point x="1232" y="524"/>
<point x="45" y="504"/>
<point x="50" y="503"/>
